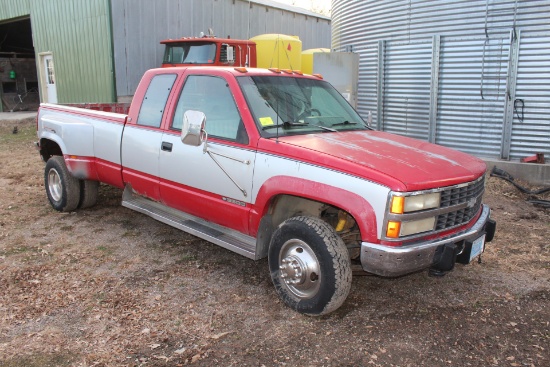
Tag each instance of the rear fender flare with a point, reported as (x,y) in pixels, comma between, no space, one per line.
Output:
(46,135)
(79,167)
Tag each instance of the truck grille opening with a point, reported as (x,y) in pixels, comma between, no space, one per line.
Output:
(470,194)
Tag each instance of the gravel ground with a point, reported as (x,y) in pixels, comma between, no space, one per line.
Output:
(110,287)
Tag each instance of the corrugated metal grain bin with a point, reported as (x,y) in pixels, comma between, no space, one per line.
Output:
(470,74)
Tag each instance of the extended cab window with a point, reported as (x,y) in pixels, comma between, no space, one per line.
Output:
(212,96)
(155,99)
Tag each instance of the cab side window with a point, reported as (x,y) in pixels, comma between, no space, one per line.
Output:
(212,96)
(154,102)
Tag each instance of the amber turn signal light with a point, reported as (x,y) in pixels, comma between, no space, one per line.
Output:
(393,229)
(397,205)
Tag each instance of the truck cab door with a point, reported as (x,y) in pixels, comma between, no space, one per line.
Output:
(141,142)
(213,183)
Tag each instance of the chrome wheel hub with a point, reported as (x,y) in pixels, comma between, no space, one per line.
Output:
(292,270)
(54,185)
(299,269)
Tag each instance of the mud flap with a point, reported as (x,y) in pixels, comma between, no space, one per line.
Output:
(444,259)
(490,228)
(465,257)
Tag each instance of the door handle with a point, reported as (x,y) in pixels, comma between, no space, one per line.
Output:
(167,147)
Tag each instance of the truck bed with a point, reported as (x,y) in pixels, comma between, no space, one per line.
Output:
(89,138)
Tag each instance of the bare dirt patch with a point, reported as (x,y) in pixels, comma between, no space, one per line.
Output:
(110,287)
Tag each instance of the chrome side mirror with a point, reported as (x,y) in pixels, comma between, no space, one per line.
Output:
(192,130)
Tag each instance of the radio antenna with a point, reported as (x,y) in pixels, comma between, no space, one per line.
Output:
(277,122)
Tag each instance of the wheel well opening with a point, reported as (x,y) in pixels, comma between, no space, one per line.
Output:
(49,149)
(284,207)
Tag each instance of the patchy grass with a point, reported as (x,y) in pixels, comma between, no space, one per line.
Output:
(105,250)
(26,132)
(186,258)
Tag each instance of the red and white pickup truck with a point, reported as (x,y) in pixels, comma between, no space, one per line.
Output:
(273,163)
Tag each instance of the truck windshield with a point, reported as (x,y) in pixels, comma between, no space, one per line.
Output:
(190,53)
(293,106)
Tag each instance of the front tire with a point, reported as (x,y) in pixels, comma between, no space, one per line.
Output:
(62,188)
(310,266)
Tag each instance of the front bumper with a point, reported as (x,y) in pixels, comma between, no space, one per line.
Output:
(390,261)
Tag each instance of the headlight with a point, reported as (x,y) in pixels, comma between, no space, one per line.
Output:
(397,229)
(408,204)
(417,226)
(404,222)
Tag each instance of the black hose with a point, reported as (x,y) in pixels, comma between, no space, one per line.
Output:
(541,203)
(499,173)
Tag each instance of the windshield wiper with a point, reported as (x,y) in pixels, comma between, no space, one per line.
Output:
(344,123)
(285,125)
(325,128)
(289,124)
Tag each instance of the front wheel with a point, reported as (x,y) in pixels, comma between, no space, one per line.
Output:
(62,188)
(310,266)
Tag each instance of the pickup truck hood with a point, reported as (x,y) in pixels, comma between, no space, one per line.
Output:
(403,164)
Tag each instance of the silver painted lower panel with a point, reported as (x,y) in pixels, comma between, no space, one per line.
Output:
(390,261)
(219,235)
(140,149)
(269,166)
(190,166)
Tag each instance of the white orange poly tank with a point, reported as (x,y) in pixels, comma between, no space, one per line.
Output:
(307,59)
(278,51)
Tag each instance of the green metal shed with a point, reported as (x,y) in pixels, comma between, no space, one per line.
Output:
(72,45)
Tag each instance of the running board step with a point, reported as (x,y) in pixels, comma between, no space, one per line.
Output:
(219,235)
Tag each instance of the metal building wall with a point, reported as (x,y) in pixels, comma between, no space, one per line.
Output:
(10,9)
(139,26)
(77,33)
(469,74)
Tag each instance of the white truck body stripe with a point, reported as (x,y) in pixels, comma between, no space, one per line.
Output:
(268,166)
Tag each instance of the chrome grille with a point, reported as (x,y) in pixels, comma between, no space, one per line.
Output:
(470,193)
